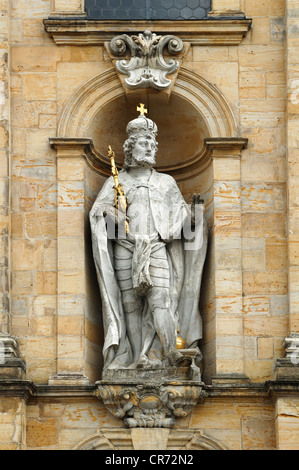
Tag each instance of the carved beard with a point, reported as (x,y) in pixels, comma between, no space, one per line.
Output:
(145,162)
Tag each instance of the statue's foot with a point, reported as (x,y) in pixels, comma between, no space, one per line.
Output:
(142,363)
(177,359)
(145,363)
(155,364)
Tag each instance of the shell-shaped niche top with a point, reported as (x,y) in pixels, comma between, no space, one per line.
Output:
(147,68)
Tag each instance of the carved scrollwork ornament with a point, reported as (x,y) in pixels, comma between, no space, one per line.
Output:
(149,405)
(147,67)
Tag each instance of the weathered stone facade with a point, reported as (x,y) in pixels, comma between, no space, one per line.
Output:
(235,96)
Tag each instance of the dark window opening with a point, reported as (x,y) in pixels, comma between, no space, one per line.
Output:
(147,9)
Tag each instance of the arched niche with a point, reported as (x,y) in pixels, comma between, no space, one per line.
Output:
(121,439)
(196,110)
(194,121)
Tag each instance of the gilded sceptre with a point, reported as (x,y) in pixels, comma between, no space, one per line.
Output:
(120,198)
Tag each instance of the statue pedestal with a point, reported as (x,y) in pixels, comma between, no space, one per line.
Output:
(288,367)
(11,365)
(151,398)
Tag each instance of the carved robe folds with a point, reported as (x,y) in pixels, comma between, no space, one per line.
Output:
(185,255)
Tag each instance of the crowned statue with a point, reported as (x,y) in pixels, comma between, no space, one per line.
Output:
(149,248)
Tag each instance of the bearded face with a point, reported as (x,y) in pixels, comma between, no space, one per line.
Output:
(140,150)
(144,151)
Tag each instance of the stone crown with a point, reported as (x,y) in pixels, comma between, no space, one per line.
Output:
(142,125)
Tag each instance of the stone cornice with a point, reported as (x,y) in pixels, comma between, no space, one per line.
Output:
(282,387)
(219,147)
(66,391)
(23,389)
(214,31)
(69,142)
(226,143)
(29,390)
(70,146)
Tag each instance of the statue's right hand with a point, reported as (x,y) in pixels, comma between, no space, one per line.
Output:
(112,213)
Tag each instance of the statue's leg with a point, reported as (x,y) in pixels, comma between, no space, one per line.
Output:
(159,299)
(132,305)
(159,303)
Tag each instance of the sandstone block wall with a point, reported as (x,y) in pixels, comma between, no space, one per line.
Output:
(47,301)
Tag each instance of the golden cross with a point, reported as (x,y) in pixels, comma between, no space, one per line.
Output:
(142,109)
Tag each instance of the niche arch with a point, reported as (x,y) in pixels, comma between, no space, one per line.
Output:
(83,135)
(100,109)
(84,104)
(120,439)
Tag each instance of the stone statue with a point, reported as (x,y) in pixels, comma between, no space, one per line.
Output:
(149,258)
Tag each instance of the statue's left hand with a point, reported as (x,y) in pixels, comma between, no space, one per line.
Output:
(196,199)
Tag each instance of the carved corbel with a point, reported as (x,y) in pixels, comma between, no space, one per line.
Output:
(147,67)
(148,405)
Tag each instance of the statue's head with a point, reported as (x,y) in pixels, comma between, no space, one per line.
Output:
(141,146)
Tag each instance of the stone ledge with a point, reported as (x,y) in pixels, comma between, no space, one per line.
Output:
(65,391)
(68,379)
(236,144)
(28,389)
(218,147)
(282,387)
(222,14)
(285,370)
(17,388)
(235,390)
(214,31)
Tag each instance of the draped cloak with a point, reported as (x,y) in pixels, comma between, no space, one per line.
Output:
(186,256)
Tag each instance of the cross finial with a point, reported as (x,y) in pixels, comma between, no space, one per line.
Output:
(142,109)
